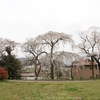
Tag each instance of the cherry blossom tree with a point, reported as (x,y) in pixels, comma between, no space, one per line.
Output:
(51,41)
(61,60)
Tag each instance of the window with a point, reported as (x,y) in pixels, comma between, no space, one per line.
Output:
(96,67)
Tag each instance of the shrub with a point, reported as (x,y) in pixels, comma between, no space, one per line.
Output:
(81,78)
(3,73)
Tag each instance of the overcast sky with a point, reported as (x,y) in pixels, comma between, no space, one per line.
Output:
(21,19)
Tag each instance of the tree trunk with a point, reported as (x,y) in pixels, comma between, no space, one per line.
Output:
(48,75)
(9,73)
(99,69)
(92,61)
(58,73)
(51,62)
(37,71)
(97,60)
(52,71)
(72,72)
(36,78)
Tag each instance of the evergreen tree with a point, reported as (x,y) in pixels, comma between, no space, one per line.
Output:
(13,66)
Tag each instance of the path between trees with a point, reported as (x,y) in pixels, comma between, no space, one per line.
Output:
(50,80)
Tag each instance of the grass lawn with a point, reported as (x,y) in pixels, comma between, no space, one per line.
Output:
(83,90)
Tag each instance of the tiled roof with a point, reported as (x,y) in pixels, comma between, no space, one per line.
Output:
(84,62)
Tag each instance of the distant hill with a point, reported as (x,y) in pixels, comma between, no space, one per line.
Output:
(22,59)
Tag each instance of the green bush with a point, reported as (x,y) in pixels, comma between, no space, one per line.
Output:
(81,78)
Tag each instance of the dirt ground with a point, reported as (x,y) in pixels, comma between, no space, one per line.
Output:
(49,80)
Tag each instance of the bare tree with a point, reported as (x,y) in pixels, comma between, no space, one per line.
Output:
(7,46)
(51,41)
(90,45)
(10,46)
(68,59)
(31,47)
